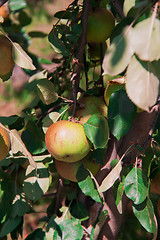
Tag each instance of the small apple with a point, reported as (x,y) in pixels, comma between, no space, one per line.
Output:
(100,25)
(69,170)
(66,141)
(90,105)
(4,11)
(4,143)
(6,60)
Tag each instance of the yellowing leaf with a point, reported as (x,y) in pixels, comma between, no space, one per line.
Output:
(142,84)
(21,58)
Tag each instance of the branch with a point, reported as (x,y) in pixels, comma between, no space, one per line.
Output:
(77,62)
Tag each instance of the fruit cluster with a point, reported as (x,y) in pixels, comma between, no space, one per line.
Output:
(67,143)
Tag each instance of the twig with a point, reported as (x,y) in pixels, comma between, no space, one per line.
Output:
(118,7)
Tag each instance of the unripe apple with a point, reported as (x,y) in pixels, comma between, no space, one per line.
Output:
(100,25)
(66,141)
(6,60)
(69,170)
(95,51)
(90,105)
(4,143)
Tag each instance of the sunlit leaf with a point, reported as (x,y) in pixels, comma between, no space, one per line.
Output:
(46,91)
(97,130)
(118,54)
(111,178)
(142,84)
(136,185)
(127,5)
(145,214)
(16,5)
(49,120)
(20,206)
(18,145)
(145,39)
(21,58)
(36,182)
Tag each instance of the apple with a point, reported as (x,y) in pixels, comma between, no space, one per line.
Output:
(4,143)
(6,60)
(90,105)
(4,11)
(100,25)
(69,170)
(66,141)
(94,50)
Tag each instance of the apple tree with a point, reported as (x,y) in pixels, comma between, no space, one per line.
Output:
(83,154)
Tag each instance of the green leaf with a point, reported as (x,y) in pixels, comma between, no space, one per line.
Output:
(145,39)
(21,58)
(87,184)
(46,91)
(142,83)
(97,130)
(49,120)
(118,54)
(144,212)
(136,185)
(33,138)
(36,182)
(8,120)
(20,206)
(120,118)
(10,225)
(38,234)
(57,44)
(16,5)
(111,177)
(71,229)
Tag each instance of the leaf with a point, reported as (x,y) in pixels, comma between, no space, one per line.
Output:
(136,185)
(57,44)
(145,39)
(36,182)
(33,138)
(18,145)
(142,84)
(120,118)
(15,5)
(10,225)
(87,184)
(20,206)
(71,229)
(111,178)
(8,120)
(144,212)
(127,5)
(21,58)
(38,234)
(46,91)
(49,120)
(119,53)
(97,130)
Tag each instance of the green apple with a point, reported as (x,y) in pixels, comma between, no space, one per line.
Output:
(94,50)
(100,25)
(90,105)
(66,141)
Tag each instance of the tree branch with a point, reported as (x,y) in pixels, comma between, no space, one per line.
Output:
(77,64)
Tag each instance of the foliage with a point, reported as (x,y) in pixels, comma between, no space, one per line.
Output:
(126,77)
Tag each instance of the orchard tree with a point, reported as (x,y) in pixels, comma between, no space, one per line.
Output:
(87,145)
